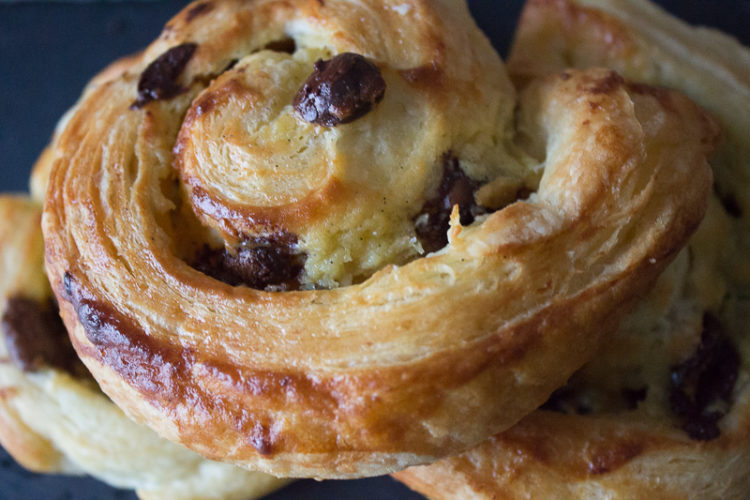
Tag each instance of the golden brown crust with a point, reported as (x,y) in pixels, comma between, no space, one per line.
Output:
(562,456)
(53,422)
(359,380)
(641,451)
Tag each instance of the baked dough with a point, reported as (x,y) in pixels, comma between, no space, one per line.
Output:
(55,421)
(604,444)
(195,158)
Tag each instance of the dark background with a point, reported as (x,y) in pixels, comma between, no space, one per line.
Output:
(49,50)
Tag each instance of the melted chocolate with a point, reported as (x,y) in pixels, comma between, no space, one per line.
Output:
(456,188)
(700,391)
(259,264)
(36,337)
(159,80)
(340,90)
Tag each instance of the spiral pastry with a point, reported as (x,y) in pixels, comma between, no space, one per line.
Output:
(53,418)
(288,236)
(663,410)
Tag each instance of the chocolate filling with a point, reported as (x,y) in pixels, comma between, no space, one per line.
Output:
(159,80)
(700,390)
(286,45)
(261,263)
(35,336)
(456,188)
(340,90)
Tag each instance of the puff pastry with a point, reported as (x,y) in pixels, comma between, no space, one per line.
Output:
(663,411)
(308,150)
(53,418)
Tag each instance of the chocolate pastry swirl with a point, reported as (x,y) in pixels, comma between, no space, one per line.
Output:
(666,403)
(369,352)
(53,417)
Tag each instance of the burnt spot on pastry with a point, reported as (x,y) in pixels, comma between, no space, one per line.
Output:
(159,80)
(566,400)
(164,372)
(611,82)
(433,221)
(261,439)
(121,344)
(269,263)
(339,90)
(198,10)
(35,336)
(700,390)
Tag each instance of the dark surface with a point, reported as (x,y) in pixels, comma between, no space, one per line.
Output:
(48,51)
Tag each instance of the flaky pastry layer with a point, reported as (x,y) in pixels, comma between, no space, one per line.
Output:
(418,360)
(606,446)
(55,421)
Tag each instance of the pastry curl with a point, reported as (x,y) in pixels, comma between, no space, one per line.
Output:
(261,147)
(53,418)
(663,410)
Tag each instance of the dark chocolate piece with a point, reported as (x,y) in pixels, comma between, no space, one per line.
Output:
(36,337)
(456,188)
(340,90)
(700,391)
(286,45)
(260,263)
(159,80)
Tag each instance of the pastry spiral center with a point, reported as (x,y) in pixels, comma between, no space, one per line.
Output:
(348,183)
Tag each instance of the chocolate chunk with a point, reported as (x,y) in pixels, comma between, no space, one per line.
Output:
(159,80)
(700,390)
(433,221)
(340,90)
(261,263)
(286,45)
(36,337)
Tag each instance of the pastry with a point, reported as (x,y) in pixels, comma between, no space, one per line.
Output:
(54,418)
(288,235)
(663,411)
